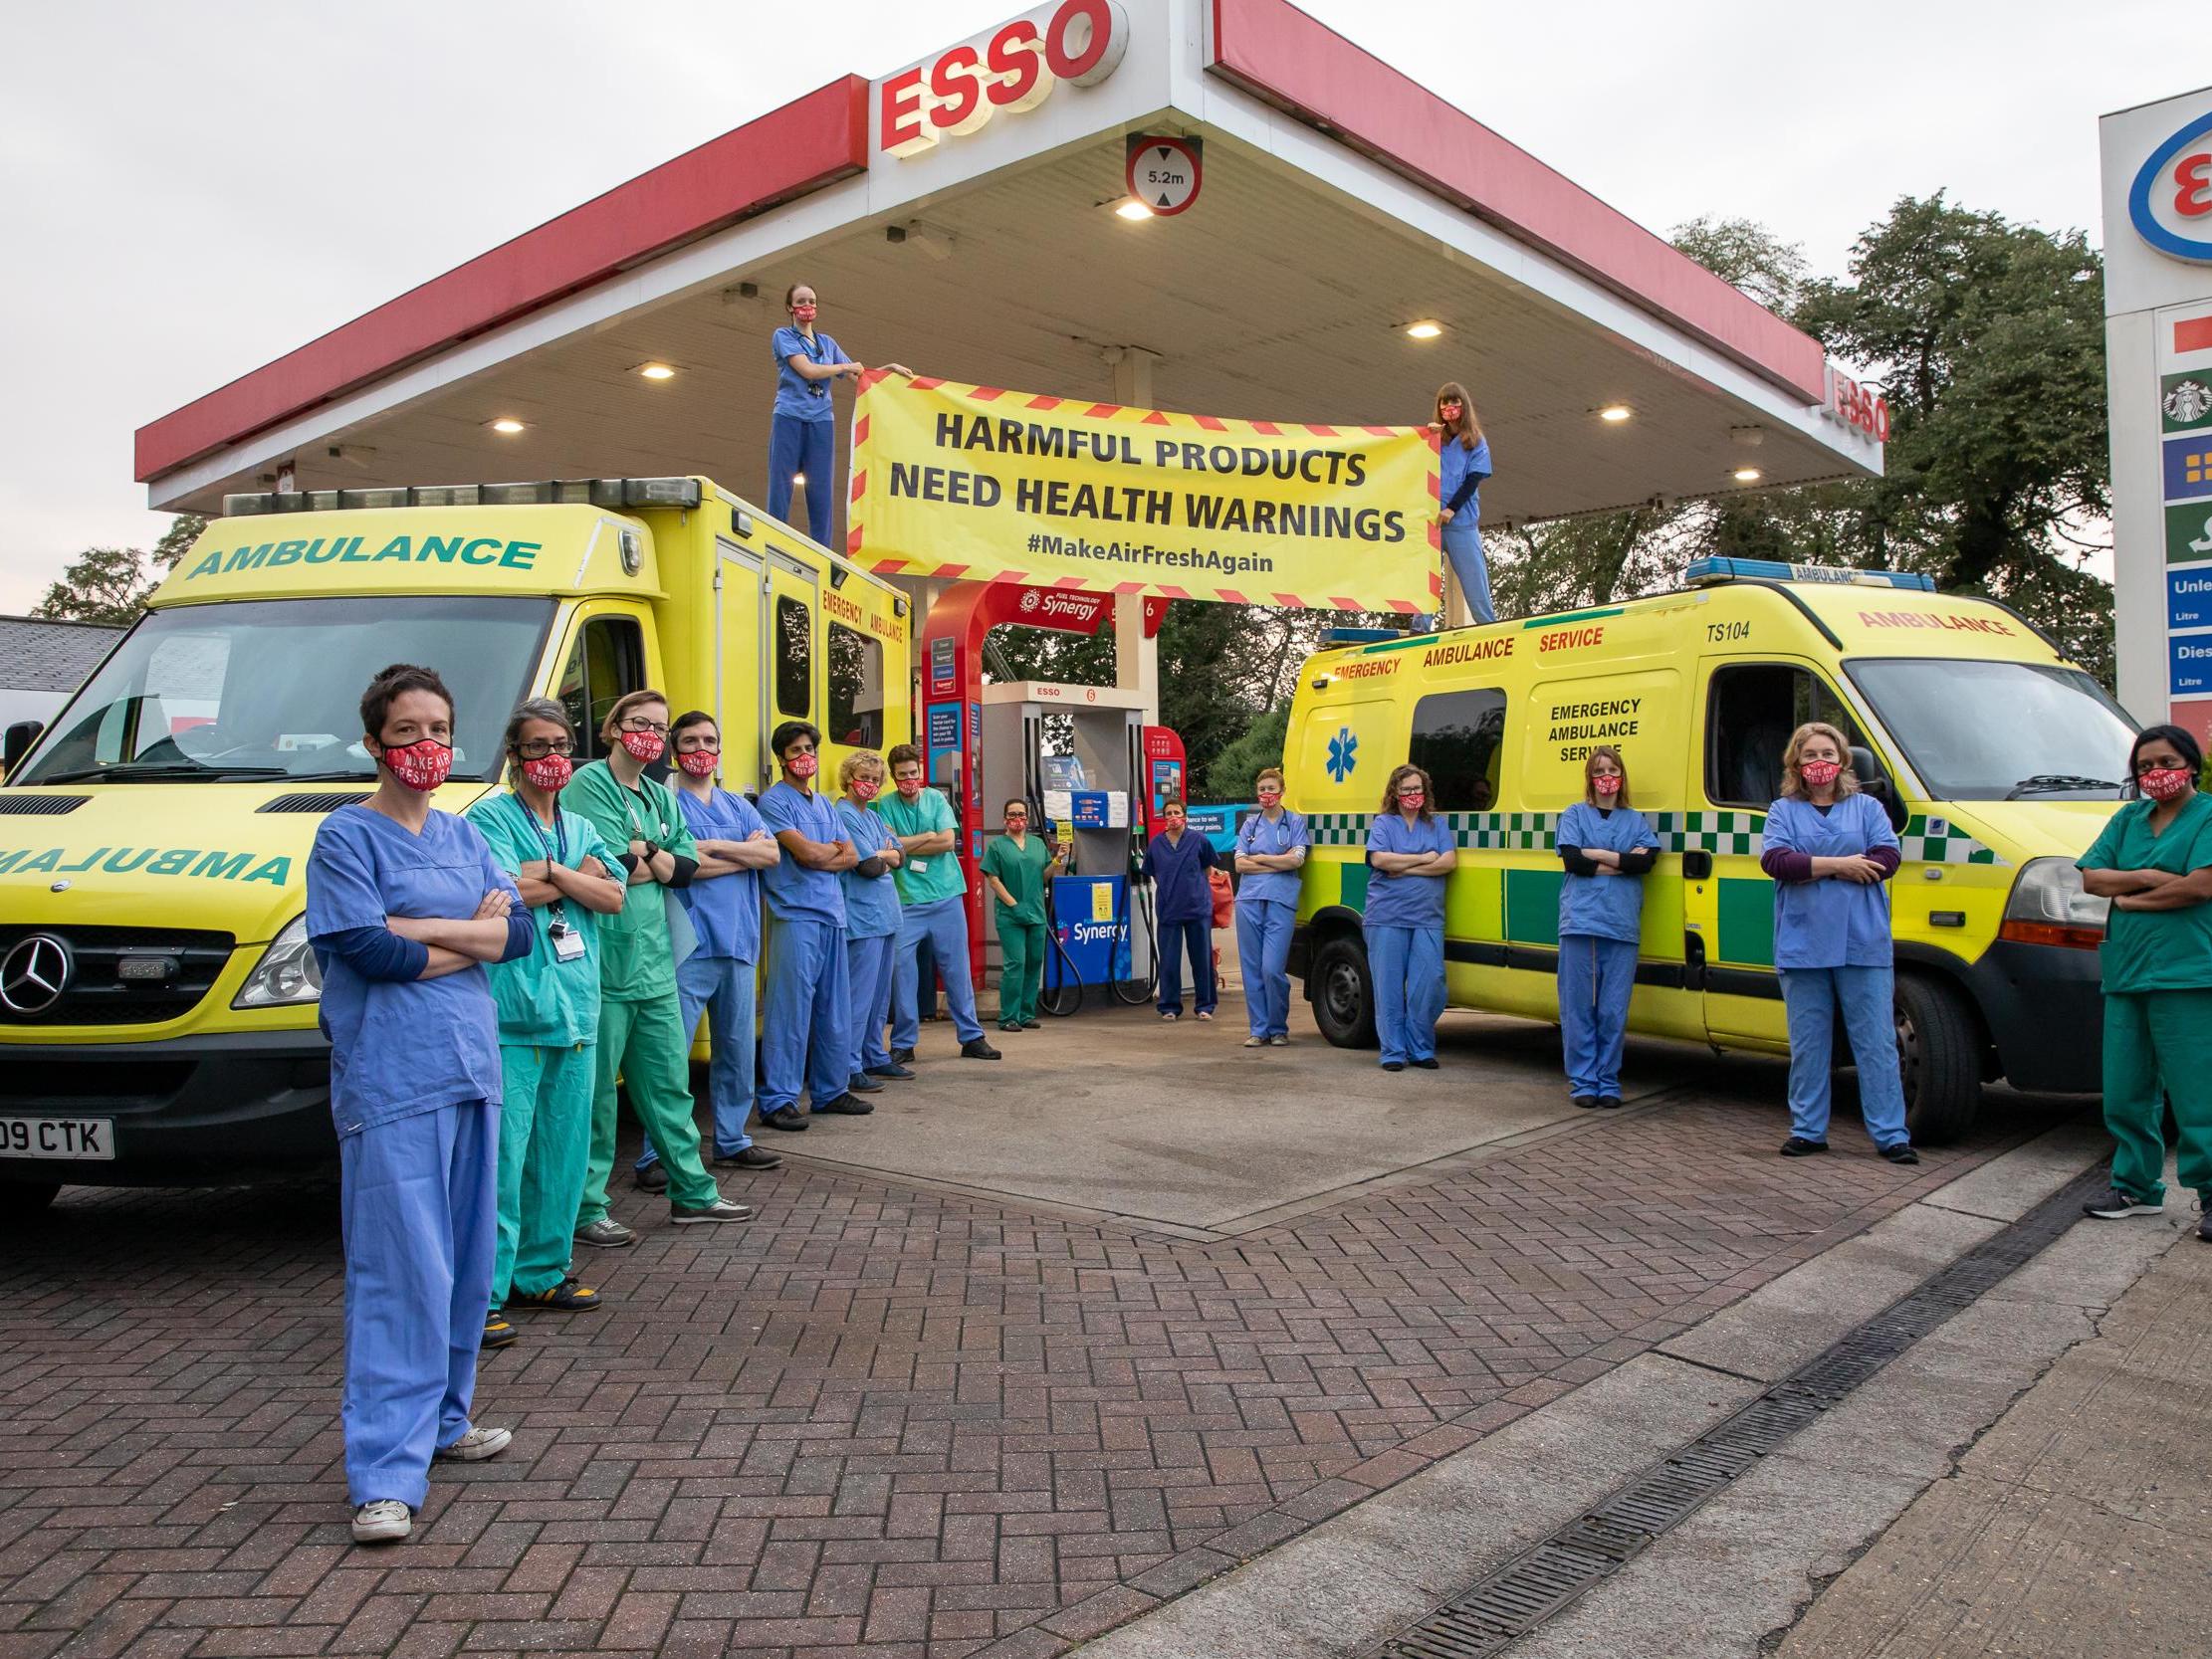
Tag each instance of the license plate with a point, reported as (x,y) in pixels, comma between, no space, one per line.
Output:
(63,1137)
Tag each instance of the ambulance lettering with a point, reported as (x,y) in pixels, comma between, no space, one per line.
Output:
(1944,621)
(1368,669)
(1577,728)
(1570,639)
(155,861)
(1471,651)
(348,549)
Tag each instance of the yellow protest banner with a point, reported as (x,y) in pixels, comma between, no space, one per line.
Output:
(981,483)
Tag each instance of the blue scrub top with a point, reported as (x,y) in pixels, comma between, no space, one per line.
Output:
(1831,922)
(796,395)
(1177,876)
(725,911)
(1602,907)
(1256,835)
(1453,464)
(796,893)
(1407,901)
(542,1002)
(871,902)
(399,1047)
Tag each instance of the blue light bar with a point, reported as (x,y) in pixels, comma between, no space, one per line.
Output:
(1704,572)
(1358,636)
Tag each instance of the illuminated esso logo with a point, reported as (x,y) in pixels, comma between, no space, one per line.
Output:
(1852,405)
(1081,42)
(2170,202)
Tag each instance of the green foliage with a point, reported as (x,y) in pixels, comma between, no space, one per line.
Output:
(112,584)
(1229,777)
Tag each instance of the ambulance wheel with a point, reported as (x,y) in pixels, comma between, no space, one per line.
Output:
(1343,995)
(1940,1052)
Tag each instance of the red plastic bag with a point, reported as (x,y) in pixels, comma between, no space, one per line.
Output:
(1225,896)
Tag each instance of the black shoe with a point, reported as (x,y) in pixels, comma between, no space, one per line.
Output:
(783,1118)
(2204,1221)
(1010,1025)
(2117,1204)
(1610,1103)
(1586,1101)
(1427,1064)
(1901,1151)
(652,1178)
(895,1072)
(1032,1025)
(900,1056)
(752,1157)
(497,1332)
(685,1215)
(567,1297)
(860,1082)
(1798,1147)
(1394,1065)
(847,1105)
(978,1050)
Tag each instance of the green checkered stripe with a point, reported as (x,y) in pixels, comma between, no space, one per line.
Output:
(1718,833)
(1926,840)
(1527,832)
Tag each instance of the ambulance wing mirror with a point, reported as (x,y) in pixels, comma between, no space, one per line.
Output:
(17,743)
(1876,782)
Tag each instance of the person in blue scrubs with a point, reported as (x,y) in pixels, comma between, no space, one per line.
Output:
(405,906)
(1183,903)
(718,980)
(1607,847)
(933,913)
(1828,849)
(1271,850)
(802,431)
(1411,853)
(872,921)
(1463,463)
(808,1033)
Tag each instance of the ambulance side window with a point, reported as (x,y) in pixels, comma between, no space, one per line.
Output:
(1750,710)
(608,662)
(794,659)
(855,688)
(1459,737)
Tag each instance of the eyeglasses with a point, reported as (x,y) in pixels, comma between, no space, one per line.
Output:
(659,729)
(538,747)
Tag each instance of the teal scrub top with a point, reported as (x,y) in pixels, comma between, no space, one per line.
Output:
(542,1002)
(1020,871)
(2156,950)
(637,963)
(933,876)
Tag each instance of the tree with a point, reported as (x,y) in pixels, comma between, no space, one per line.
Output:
(1229,776)
(113,584)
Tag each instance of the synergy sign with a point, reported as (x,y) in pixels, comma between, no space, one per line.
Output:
(2170,202)
(1080,42)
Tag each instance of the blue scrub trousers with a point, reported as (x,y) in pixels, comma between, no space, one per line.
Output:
(1195,940)
(868,974)
(1462,549)
(1810,995)
(1405,967)
(1595,979)
(417,1208)
(545,1145)
(720,987)
(809,447)
(943,924)
(1263,957)
(806,1035)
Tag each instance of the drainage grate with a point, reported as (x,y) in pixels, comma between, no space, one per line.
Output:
(1532,1587)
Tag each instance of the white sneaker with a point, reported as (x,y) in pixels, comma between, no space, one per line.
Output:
(386,1521)
(477,1445)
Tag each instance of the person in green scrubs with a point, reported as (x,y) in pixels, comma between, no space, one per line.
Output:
(1016,866)
(549,1016)
(2154,862)
(642,1040)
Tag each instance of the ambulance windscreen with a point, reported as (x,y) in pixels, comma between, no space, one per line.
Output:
(1991,732)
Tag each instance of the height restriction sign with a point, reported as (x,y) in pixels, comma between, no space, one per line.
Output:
(1162,172)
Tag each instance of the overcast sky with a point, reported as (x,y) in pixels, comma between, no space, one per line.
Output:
(191,190)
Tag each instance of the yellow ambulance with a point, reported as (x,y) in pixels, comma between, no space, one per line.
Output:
(1998,759)
(158,995)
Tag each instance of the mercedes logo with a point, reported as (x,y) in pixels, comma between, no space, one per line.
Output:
(32,974)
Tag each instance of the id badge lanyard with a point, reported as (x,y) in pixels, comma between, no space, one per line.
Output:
(555,851)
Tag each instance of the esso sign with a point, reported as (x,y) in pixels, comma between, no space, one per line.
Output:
(2170,202)
(1851,404)
(1080,42)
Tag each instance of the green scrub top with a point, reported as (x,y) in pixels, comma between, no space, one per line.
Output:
(636,962)
(933,876)
(1020,870)
(542,1002)
(2156,950)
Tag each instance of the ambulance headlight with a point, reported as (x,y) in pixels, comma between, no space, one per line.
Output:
(286,974)
(2049,907)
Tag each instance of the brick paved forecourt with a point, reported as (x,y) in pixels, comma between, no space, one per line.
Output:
(883,1419)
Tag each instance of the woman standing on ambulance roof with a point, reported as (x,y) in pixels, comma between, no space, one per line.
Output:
(405,906)
(1606,845)
(802,433)
(1828,849)
(1463,463)
(2154,862)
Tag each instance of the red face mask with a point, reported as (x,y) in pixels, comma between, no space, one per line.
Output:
(1450,413)
(804,766)
(1607,783)
(1413,804)
(1819,773)
(864,789)
(646,746)
(421,765)
(700,763)
(910,787)
(802,312)
(2165,783)
(550,772)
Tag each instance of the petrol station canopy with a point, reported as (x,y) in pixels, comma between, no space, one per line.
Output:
(1339,203)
